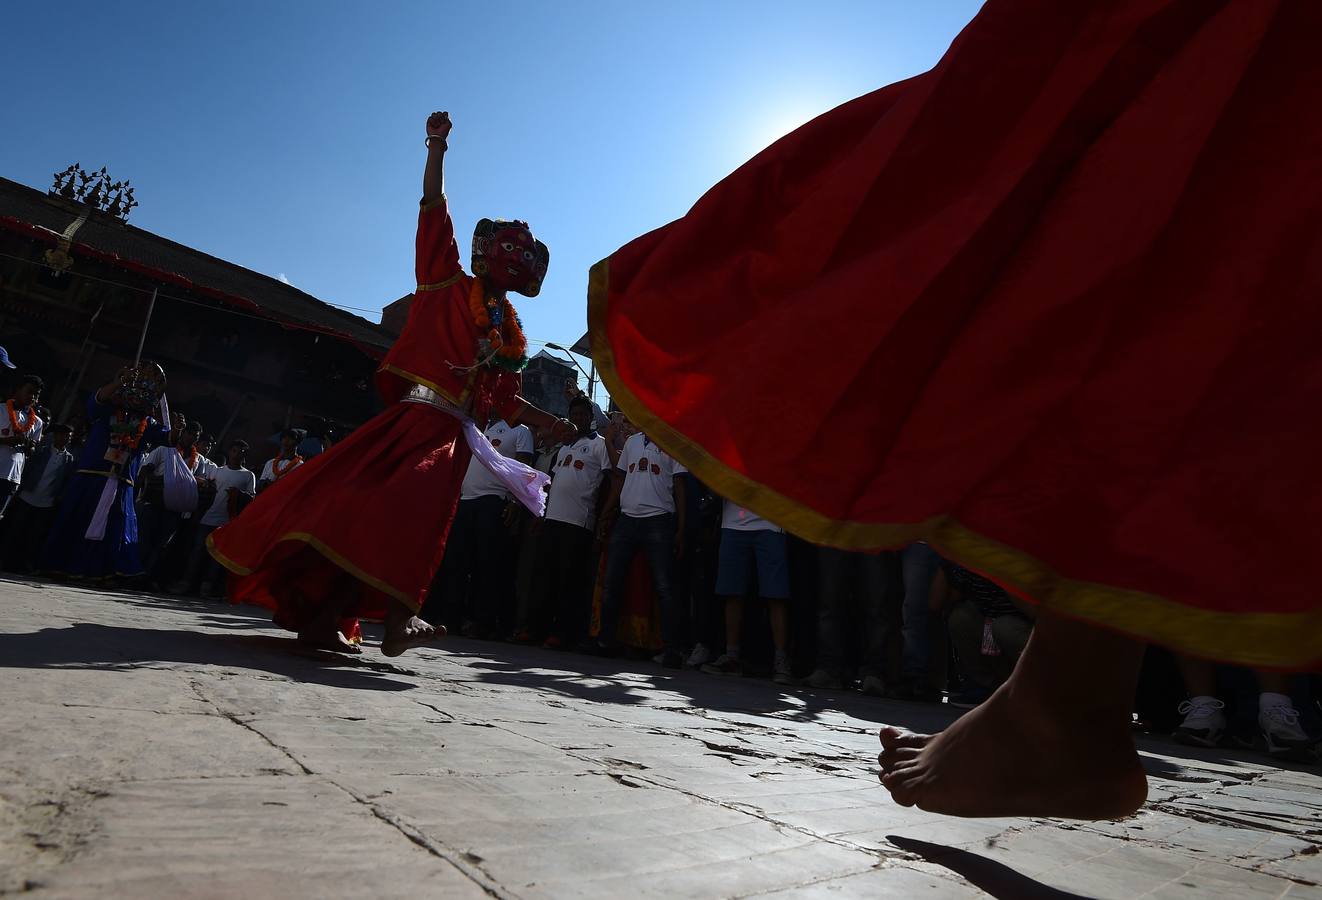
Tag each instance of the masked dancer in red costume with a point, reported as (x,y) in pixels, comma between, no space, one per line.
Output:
(377,506)
(1065,288)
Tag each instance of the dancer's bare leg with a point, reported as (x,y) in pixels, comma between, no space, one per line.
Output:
(1054,740)
(405,630)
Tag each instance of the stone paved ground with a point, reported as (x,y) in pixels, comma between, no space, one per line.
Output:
(168,748)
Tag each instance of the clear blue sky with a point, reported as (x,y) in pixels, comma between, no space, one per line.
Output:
(287,137)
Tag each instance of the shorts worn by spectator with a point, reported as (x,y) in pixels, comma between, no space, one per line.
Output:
(752,547)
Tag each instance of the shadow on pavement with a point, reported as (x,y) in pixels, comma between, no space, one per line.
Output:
(113,648)
(996,879)
(633,682)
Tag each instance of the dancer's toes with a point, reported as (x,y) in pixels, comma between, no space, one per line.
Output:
(898,746)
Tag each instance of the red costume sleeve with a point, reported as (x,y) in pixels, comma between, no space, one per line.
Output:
(439,341)
(437,253)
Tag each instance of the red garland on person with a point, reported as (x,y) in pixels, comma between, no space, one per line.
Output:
(126,430)
(13,419)
(504,343)
(278,470)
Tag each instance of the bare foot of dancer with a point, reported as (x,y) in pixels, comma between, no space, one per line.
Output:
(1053,741)
(405,630)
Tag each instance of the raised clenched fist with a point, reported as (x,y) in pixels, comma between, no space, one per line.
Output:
(438,125)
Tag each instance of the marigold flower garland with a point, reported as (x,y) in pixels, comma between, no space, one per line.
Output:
(502,343)
(120,431)
(291,463)
(13,419)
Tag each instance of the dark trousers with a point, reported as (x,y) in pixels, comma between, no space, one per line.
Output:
(7,491)
(1010,631)
(477,574)
(848,581)
(655,536)
(24,534)
(565,572)
(156,528)
(200,563)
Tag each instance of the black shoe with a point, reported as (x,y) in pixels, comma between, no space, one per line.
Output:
(672,659)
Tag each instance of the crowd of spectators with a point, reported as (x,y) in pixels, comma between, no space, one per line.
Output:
(636,556)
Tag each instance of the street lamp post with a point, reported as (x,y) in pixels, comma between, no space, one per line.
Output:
(591,377)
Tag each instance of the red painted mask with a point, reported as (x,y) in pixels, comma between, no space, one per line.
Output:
(508,257)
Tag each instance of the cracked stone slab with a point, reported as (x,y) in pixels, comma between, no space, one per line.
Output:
(169,748)
(266,837)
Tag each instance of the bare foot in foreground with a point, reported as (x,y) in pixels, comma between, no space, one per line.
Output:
(1013,757)
(403,634)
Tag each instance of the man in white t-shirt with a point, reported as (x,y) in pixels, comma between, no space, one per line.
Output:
(645,488)
(477,574)
(32,513)
(159,525)
(235,485)
(564,595)
(20,435)
(752,545)
(287,461)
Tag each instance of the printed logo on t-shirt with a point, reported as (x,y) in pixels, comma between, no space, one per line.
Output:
(579,465)
(656,470)
(495,442)
(632,466)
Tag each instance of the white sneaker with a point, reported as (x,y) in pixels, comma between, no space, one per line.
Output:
(1204,722)
(1281,729)
(698,657)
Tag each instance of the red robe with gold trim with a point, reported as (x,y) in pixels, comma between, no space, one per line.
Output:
(378,505)
(1054,306)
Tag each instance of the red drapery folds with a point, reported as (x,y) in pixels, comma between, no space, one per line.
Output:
(1054,306)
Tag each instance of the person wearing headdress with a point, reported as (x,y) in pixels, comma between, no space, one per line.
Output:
(377,506)
(95,534)
(1064,289)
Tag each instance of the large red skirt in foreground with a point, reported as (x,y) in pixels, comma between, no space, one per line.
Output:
(1054,306)
(365,521)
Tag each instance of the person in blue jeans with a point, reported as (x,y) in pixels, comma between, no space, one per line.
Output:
(918,567)
(648,496)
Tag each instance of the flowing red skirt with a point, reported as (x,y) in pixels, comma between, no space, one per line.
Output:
(365,521)
(1054,306)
